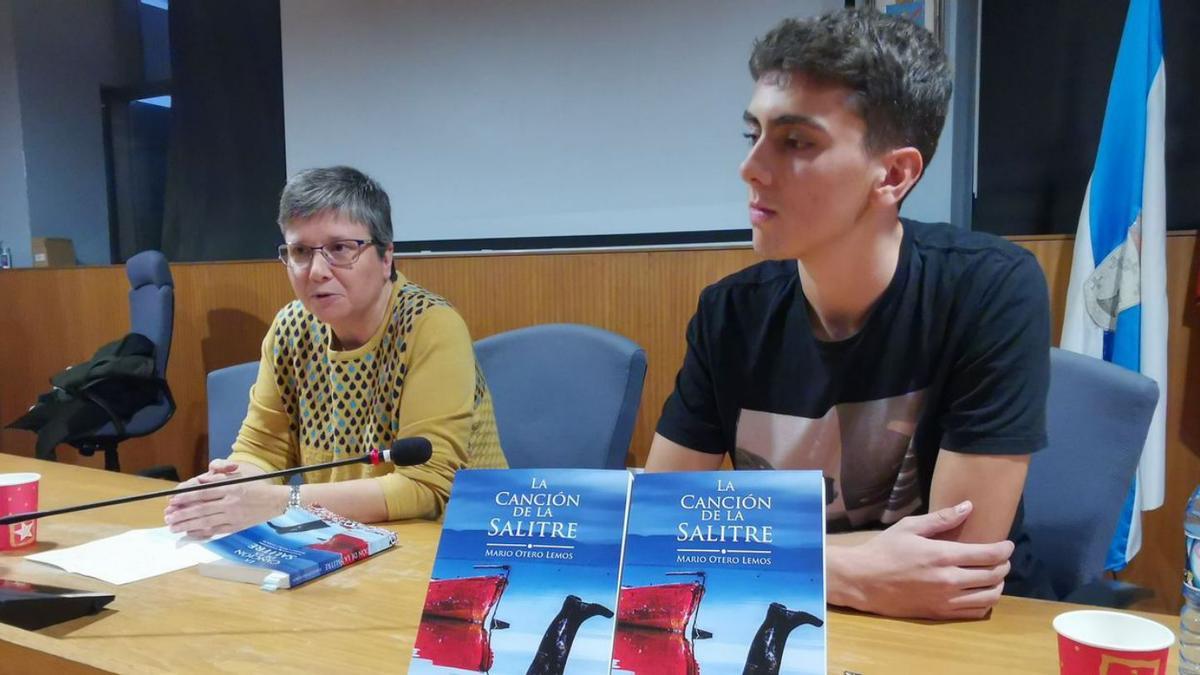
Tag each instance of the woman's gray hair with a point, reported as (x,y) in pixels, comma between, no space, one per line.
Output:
(342,190)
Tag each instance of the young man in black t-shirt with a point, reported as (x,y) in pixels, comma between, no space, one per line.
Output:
(908,362)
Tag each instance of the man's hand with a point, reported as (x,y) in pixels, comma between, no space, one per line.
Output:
(220,510)
(906,571)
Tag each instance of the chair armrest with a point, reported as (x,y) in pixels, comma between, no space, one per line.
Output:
(1109,593)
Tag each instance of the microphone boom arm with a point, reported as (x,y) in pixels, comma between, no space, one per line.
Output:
(375,456)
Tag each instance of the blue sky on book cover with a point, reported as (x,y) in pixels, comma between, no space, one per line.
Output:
(550,534)
(769,552)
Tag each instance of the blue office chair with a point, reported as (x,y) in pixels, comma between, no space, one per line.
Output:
(228,399)
(152,303)
(566,395)
(152,314)
(1097,417)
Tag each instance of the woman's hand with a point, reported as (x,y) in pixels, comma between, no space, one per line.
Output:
(220,510)
(218,470)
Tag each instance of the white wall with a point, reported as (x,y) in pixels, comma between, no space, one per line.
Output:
(530,117)
(933,198)
(65,50)
(14,200)
(930,199)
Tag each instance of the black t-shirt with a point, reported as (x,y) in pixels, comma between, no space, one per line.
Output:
(954,355)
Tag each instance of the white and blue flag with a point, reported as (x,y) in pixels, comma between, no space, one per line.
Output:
(1117,298)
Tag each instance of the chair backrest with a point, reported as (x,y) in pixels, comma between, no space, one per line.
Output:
(152,303)
(566,395)
(228,399)
(1097,417)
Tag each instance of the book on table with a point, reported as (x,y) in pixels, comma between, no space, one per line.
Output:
(723,572)
(569,571)
(296,547)
(526,573)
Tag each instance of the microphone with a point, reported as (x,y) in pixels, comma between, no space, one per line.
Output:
(406,452)
(403,452)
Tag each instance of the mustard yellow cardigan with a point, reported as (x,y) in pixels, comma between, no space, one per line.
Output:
(416,376)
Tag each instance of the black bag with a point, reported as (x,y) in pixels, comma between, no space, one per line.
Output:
(112,386)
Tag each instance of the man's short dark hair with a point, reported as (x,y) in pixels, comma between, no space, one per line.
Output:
(343,190)
(896,68)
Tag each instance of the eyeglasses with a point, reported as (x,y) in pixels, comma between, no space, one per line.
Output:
(340,253)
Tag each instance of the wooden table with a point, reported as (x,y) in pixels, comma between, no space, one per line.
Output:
(364,618)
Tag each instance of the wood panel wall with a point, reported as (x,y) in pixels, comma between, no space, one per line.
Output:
(50,318)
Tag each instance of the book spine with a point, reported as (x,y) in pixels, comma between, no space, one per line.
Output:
(356,555)
(310,572)
(375,545)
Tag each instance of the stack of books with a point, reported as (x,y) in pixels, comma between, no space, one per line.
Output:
(593,571)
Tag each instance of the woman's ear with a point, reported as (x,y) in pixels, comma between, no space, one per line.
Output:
(389,265)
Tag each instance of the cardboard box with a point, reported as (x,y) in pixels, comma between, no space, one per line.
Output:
(52,252)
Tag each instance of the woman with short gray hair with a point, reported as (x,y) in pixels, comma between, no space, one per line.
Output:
(361,358)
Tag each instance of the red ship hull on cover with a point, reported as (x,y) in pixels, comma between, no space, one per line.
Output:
(653,652)
(454,644)
(663,607)
(350,548)
(466,599)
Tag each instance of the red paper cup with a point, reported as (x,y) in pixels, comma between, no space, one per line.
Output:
(1097,642)
(18,494)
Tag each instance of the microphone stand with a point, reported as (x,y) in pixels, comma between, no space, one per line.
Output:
(375,456)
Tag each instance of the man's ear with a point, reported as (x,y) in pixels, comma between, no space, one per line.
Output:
(902,167)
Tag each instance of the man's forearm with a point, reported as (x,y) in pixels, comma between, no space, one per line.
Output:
(841,588)
(994,483)
(850,538)
(840,565)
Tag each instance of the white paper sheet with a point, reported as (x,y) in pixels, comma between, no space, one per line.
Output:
(132,556)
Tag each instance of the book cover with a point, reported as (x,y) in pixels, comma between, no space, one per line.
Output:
(298,546)
(526,574)
(724,572)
